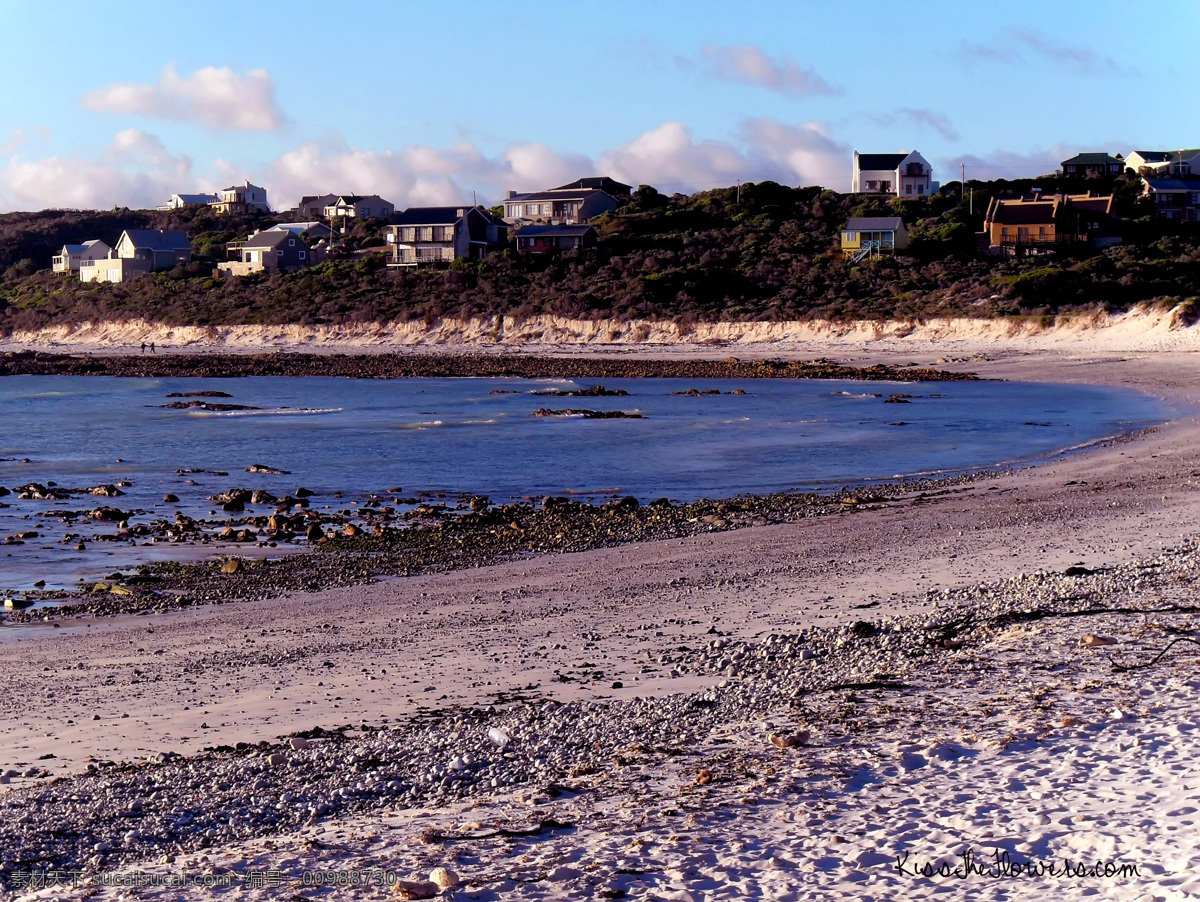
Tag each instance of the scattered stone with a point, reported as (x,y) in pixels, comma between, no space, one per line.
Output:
(415,889)
(443,877)
(232,566)
(1099,640)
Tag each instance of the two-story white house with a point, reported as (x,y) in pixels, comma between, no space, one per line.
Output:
(245,198)
(1178,163)
(138,251)
(72,256)
(898,174)
(357,206)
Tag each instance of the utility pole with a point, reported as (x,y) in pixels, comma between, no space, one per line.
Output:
(962,182)
(739,192)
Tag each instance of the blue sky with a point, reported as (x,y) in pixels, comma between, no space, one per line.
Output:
(428,102)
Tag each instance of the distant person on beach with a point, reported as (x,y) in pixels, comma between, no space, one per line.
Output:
(151,347)
(143,347)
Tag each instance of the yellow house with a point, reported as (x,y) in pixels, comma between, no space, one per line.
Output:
(872,236)
(1031,223)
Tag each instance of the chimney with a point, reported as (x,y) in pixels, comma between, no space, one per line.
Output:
(511,194)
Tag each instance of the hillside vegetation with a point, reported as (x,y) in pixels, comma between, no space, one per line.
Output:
(773,256)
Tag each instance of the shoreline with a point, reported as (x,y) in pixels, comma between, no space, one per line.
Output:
(429,663)
(459,365)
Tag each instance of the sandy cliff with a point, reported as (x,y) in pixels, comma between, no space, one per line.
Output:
(1140,329)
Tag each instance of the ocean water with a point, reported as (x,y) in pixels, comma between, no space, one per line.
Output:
(456,436)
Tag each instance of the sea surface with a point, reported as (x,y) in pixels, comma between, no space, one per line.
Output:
(451,437)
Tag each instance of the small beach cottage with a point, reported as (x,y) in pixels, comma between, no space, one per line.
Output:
(873,236)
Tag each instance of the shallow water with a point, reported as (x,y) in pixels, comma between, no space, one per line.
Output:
(455,436)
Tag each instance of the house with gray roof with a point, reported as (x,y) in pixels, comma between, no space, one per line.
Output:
(558,206)
(138,251)
(179,201)
(72,256)
(544,239)
(1174,198)
(873,236)
(1093,164)
(422,235)
(270,250)
(898,174)
(315,229)
(360,206)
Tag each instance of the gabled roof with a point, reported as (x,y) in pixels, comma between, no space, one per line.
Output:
(1016,212)
(196,198)
(599,182)
(159,240)
(268,239)
(323,199)
(880,161)
(357,198)
(431,215)
(557,194)
(1090,159)
(297,227)
(1092,204)
(93,242)
(73,249)
(1164,156)
(564,231)
(874,224)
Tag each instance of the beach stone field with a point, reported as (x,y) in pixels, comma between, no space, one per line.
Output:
(979,688)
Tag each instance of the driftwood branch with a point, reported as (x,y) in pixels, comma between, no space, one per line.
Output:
(1158,657)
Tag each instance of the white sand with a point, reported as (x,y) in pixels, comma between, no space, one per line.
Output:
(975,761)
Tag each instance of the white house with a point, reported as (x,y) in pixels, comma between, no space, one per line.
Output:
(72,256)
(898,174)
(179,201)
(138,251)
(356,206)
(245,198)
(1182,163)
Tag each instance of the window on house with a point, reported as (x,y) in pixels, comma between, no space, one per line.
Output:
(279,253)
(920,189)
(873,185)
(546,209)
(302,255)
(291,242)
(426,233)
(1042,232)
(409,234)
(885,186)
(908,189)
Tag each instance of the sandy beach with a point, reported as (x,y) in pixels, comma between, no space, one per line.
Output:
(1014,735)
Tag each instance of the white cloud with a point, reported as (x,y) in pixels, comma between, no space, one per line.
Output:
(135,170)
(218,98)
(138,170)
(748,64)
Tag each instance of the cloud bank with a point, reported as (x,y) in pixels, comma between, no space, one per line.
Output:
(217,98)
(138,170)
